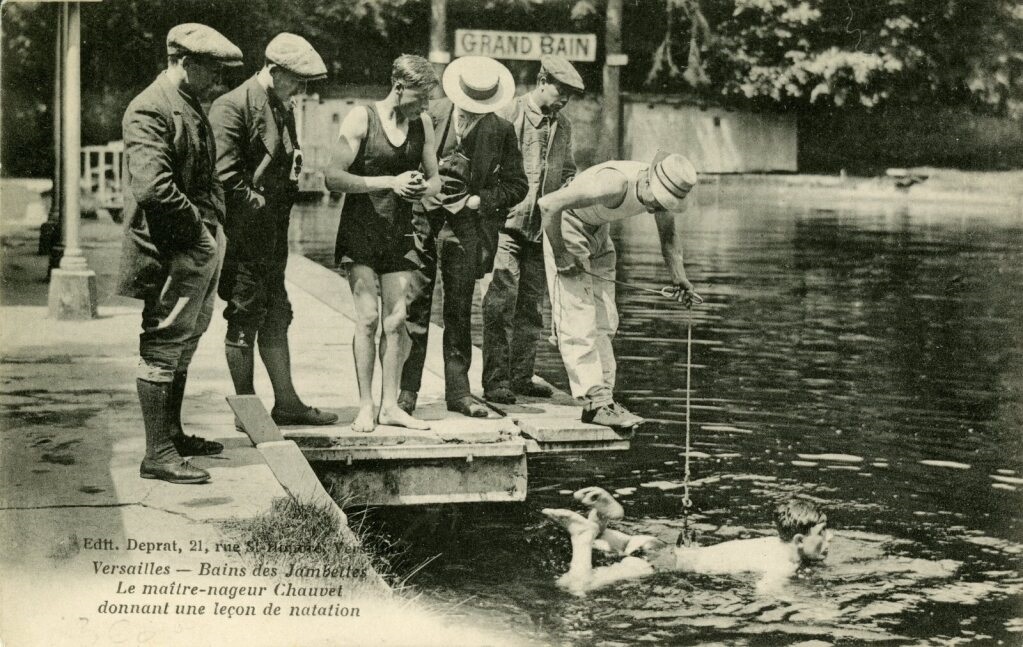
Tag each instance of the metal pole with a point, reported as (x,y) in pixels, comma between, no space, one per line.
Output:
(440,55)
(73,257)
(49,232)
(73,293)
(614,59)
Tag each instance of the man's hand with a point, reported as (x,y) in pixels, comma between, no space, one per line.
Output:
(569,265)
(686,295)
(256,200)
(473,202)
(410,185)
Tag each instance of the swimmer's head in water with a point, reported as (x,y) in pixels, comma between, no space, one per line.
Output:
(806,526)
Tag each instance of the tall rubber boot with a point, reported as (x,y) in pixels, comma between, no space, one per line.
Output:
(162,460)
(288,408)
(186,445)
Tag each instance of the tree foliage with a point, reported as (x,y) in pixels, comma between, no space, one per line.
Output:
(790,53)
(841,53)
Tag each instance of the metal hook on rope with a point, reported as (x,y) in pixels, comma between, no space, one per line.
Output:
(668,291)
(687,537)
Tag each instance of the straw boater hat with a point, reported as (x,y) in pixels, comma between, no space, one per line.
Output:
(478,84)
(671,178)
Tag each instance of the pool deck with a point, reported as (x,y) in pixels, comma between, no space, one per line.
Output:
(71,441)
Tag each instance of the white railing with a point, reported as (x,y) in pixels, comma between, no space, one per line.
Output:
(101,174)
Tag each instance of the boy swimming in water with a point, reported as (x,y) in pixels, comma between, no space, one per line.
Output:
(803,538)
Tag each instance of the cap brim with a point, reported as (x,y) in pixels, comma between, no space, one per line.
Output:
(670,202)
(658,156)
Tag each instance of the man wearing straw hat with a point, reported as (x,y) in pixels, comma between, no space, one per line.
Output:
(580,262)
(259,159)
(482,177)
(174,242)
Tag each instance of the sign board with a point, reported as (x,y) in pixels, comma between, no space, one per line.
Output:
(525,45)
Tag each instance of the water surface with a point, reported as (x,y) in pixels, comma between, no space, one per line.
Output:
(868,357)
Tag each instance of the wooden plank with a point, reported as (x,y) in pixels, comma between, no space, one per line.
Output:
(452,451)
(255,419)
(567,448)
(564,430)
(557,435)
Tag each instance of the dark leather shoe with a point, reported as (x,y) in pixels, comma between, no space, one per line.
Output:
(174,471)
(196,446)
(468,406)
(407,401)
(307,416)
(500,395)
(532,389)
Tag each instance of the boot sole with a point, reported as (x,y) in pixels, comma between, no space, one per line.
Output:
(179,481)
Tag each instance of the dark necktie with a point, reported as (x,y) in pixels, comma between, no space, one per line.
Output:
(543,130)
(545,133)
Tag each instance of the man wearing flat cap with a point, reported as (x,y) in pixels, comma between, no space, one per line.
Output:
(580,263)
(513,302)
(258,161)
(174,240)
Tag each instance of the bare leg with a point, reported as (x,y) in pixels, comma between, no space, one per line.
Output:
(581,575)
(393,350)
(583,531)
(363,282)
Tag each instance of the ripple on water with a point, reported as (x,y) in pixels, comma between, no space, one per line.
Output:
(842,458)
(1012,480)
(949,464)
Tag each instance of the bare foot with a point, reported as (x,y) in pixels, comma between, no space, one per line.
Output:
(576,524)
(364,422)
(600,501)
(398,418)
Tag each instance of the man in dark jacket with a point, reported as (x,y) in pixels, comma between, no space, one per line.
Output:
(513,301)
(482,176)
(258,160)
(173,245)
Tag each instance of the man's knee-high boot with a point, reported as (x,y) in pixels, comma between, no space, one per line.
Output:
(186,445)
(162,460)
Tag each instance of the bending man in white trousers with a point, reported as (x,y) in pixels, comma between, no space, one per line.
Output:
(580,264)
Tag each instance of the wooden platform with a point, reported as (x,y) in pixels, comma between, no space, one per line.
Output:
(458,460)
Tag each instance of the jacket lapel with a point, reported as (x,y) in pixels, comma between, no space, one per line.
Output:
(263,116)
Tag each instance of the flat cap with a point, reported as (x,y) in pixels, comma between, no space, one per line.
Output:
(559,69)
(296,55)
(200,40)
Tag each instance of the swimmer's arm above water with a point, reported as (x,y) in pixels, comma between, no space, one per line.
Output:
(606,188)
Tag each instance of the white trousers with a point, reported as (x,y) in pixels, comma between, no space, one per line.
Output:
(584,314)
